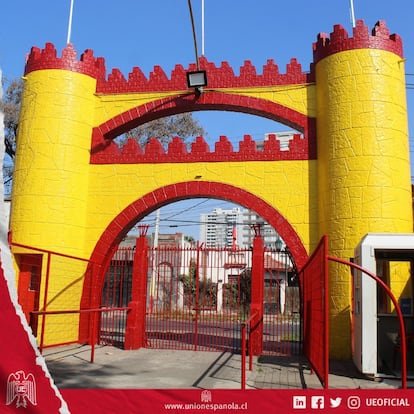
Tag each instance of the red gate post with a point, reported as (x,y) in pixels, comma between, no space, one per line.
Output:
(257,292)
(135,325)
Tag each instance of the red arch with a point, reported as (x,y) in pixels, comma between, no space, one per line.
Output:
(121,224)
(209,100)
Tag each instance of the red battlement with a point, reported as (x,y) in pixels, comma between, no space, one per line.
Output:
(158,81)
(47,59)
(218,77)
(339,41)
(131,153)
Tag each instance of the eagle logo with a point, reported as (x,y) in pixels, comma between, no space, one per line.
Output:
(21,387)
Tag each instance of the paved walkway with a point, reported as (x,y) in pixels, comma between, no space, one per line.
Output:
(159,369)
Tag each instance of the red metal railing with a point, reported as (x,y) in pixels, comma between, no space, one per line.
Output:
(197,297)
(43,286)
(282,321)
(49,254)
(314,282)
(397,309)
(196,301)
(244,325)
(94,325)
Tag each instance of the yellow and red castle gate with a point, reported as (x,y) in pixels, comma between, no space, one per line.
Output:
(77,194)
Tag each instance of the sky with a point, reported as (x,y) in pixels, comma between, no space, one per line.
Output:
(129,33)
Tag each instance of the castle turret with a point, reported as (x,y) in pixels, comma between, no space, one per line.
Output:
(363,152)
(53,149)
(50,182)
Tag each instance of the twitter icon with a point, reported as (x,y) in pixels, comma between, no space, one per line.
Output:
(335,402)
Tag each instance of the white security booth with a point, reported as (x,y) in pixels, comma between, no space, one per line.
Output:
(375,322)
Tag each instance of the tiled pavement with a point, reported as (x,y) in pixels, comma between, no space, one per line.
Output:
(158,369)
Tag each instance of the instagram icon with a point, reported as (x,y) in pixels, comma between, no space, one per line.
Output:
(354,402)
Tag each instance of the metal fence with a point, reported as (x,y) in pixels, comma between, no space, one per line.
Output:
(314,281)
(197,299)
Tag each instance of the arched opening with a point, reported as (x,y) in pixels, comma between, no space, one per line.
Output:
(208,101)
(120,226)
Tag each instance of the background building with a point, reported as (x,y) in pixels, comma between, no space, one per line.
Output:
(222,228)
(269,234)
(226,228)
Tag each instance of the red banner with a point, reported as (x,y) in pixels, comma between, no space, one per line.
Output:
(25,384)
(250,401)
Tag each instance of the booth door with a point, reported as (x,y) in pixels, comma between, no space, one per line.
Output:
(395,269)
(30,266)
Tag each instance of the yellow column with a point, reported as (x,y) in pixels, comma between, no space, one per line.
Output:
(363,163)
(52,160)
(50,183)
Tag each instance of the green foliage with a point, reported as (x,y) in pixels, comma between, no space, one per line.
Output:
(190,239)
(10,105)
(189,281)
(200,293)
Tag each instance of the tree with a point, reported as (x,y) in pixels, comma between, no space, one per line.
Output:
(182,125)
(206,289)
(164,129)
(189,239)
(10,105)
(189,283)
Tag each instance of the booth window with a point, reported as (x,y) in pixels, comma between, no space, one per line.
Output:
(396,273)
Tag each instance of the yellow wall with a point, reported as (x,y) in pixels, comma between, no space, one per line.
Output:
(283,184)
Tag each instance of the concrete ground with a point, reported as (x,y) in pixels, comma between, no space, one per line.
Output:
(114,368)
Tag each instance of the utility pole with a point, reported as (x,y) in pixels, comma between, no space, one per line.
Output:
(351,9)
(70,22)
(154,259)
(202,27)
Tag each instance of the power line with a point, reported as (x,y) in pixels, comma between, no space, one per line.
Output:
(175,209)
(184,223)
(187,209)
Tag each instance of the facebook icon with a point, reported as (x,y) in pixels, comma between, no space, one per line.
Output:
(317,402)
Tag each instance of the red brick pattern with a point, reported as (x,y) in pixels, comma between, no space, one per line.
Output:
(339,41)
(158,81)
(47,59)
(199,151)
(218,77)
